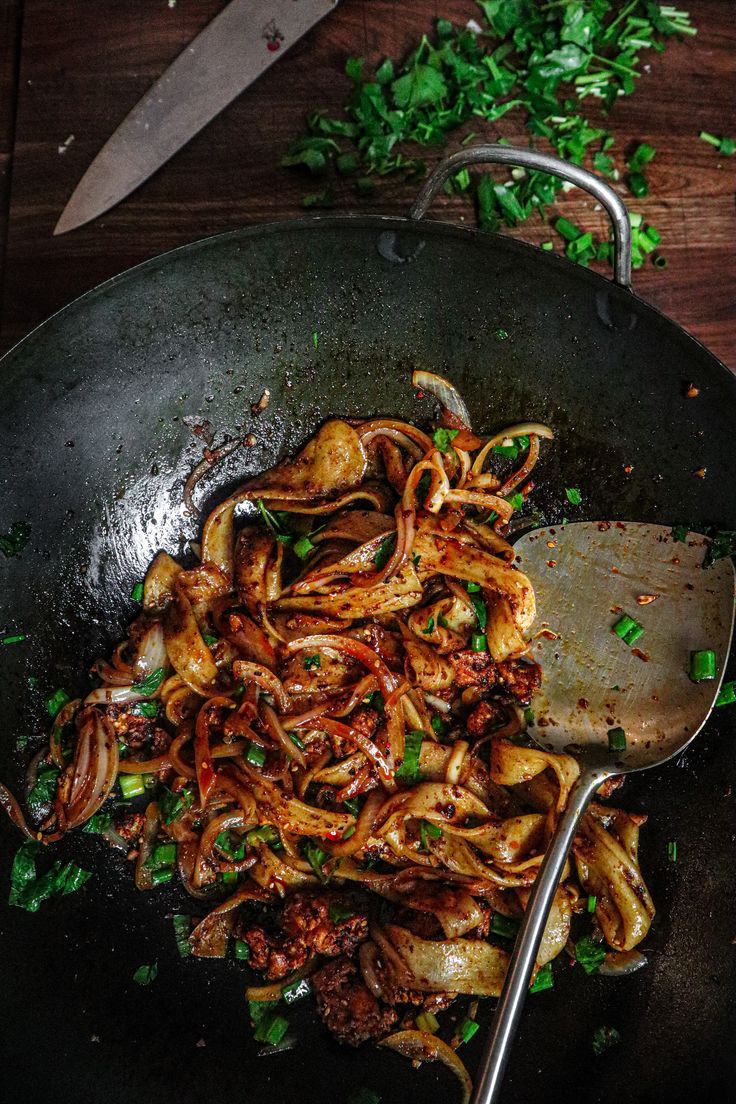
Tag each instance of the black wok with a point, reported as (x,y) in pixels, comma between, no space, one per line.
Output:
(95,452)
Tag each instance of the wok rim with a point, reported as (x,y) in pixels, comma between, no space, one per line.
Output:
(378,222)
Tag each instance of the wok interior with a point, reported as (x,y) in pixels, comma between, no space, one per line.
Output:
(203,332)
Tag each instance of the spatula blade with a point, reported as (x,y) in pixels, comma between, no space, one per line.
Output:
(586,576)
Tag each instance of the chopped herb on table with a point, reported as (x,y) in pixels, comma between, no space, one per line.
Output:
(573,496)
(547,62)
(726,146)
(13,638)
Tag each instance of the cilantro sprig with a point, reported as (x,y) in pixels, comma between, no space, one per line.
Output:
(543,60)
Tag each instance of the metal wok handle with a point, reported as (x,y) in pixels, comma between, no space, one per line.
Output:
(555,166)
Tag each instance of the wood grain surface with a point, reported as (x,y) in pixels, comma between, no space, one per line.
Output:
(71,68)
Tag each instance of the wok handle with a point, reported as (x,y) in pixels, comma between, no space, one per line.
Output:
(543,162)
(516,985)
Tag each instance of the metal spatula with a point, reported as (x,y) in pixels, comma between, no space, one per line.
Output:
(588,576)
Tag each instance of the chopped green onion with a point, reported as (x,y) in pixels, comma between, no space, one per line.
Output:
(150,684)
(628,629)
(228,877)
(726,146)
(144,975)
(303,547)
(136,593)
(473,588)
(672,851)
(616,739)
(544,979)
(422,490)
(641,156)
(428,830)
(443,438)
(592,902)
(385,551)
(296,741)
(315,339)
(481,611)
(352,804)
(182,927)
(573,495)
(132,785)
(255,754)
(547,246)
(727,694)
(589,954)
(241,950)
(375,701)
(409,769)
(56,702)
(467,1029)
(13,638)
(311,662)
(316,858)
(210,639)
(272,1029)
(516,501)
(605,1037)
(163,854)
(505,926)
(638,185)
(528,716)
(479,642)
(702,665)
(427,1021)
(160,877)
(566,229)
(439,726)
(430,627)
(523,441)
(297,990)
(338,912)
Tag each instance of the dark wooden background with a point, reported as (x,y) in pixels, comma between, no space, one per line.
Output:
(75,67)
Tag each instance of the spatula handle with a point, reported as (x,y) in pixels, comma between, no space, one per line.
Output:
(516,985)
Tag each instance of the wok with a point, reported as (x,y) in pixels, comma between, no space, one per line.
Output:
(94,453)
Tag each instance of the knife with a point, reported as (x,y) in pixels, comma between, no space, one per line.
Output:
(229,54)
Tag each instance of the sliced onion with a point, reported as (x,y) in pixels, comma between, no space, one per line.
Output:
(14,811)
(151,652)
(149,835)
(455,762)
(94,769)
(443,390)
(622,963)
(115,695)
(281,736)
(420,1046)
(243,671)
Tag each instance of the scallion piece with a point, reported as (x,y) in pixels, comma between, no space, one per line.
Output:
(160,877)
(628,629)
(479,642)
(439,727)
(255,755)
(316,858)
(616,739)
(13,638)
(163,854)
(272,1029)
(511,451)
(409,769)
(338,912)
(727,694)
(132,785)
(481,611)
(241,950)
(136,593)
(428,830)
(467,1029)
(589,954)
(702,665)
(303,547)
(228,877)
(592,902)
(472,588)
(544,980)
(312,662)
(672,851)
(505,926)
(182,927)
(427,1021)
(56,702)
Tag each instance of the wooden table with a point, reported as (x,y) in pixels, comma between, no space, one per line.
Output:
(69,72)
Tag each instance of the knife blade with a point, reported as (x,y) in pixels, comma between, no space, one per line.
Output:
(229,54)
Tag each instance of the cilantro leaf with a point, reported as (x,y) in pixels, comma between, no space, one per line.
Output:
(573,495)
(421,85)
(28,889)
(722,544)
(443,438)
(144,975)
